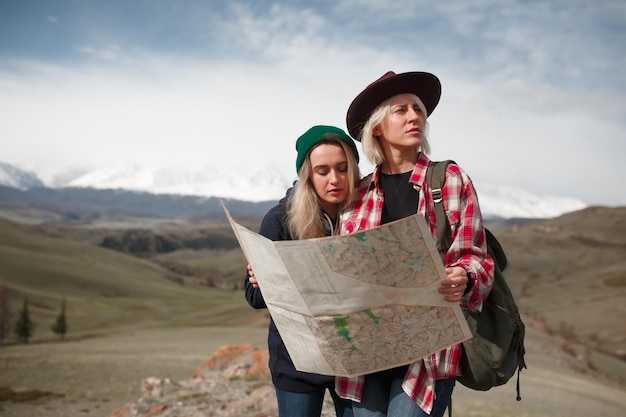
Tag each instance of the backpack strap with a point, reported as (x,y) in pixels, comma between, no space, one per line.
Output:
(436,178)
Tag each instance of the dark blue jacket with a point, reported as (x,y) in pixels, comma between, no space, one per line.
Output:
(284,374)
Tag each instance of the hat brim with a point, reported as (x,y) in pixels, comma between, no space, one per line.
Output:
(423,84)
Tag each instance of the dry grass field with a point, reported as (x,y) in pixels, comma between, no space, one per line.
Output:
(132,317)
(92,377)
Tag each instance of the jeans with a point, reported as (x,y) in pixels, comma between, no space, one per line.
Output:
(384,397)
(309,404)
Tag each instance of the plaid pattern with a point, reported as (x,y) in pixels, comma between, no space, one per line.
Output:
(468,250)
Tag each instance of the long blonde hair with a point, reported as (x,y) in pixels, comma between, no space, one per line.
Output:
(371,144)
(304,213)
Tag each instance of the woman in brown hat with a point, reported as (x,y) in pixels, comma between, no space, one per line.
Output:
(328,175)
(389,117)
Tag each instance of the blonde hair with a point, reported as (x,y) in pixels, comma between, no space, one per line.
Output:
(371,144)
(304,212)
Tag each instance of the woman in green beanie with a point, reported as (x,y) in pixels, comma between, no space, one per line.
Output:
(328,174)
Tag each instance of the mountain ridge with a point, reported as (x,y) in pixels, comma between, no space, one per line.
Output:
(259,185)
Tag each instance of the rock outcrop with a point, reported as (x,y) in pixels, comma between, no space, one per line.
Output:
(234,382)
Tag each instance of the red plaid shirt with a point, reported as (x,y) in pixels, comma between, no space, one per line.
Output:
(468,250)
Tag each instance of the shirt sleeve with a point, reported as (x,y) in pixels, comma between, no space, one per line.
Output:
(469,246)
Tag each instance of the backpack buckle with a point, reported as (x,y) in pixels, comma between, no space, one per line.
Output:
(437,195)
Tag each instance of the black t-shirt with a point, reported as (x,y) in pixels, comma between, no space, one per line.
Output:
(400,201)
(400,196)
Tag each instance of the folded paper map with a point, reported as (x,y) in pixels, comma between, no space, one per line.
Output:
(355,304)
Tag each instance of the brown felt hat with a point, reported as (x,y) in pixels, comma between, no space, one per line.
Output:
(423,84)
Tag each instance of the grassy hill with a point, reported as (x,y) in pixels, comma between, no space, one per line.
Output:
(104,289)
(569,277)
(568,274)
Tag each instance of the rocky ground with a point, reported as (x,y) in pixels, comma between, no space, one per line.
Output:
(234,382)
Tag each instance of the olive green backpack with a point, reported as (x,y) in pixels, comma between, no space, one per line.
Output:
(496,350)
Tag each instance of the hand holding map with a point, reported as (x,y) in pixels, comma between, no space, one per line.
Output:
(356,304)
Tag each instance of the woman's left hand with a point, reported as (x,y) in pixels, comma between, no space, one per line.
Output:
(252,278)
(453,287)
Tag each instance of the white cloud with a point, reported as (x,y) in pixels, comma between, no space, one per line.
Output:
(110,52)
(527,101)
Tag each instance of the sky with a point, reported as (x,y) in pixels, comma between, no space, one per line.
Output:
(533,92)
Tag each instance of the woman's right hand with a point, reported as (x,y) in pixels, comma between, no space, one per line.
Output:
(252,278)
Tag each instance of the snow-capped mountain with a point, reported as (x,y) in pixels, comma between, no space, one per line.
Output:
(11,176)
(509,202)
(262,184)
(256,185)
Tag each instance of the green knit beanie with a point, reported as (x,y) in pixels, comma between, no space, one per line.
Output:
(314,135)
